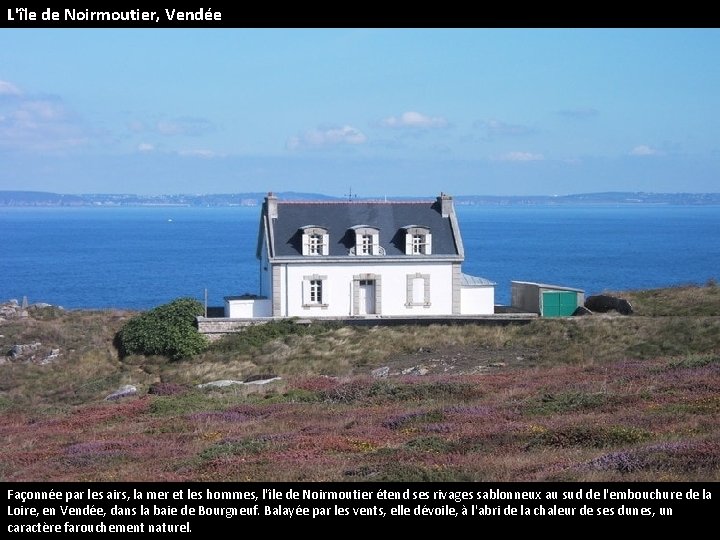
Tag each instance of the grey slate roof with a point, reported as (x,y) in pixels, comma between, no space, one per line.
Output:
(466,280)
(339,218)
(548,286)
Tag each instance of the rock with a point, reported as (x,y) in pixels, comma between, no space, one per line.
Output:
(221,383)
(580,311)
(54,354)
(264,377)
(602,303)
(263,381)
(23,350)
(380,373)
(12,309)
(415,370)
(126,391)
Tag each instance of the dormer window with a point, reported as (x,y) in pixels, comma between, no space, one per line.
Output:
(315,240)
(315,244)
(367,241)
(418,240)
(418,244)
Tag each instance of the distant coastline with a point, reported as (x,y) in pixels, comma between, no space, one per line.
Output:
(48,199)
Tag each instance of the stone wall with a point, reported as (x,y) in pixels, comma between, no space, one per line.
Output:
(215,328)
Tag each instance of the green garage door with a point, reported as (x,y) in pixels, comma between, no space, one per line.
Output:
(558,303)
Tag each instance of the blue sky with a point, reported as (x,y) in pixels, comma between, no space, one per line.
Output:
(494,111)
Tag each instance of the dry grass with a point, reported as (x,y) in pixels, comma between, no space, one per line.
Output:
(603,398)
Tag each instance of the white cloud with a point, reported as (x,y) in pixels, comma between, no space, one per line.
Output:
(207,154)
(9,89)
(171,127)
(582,112)
(183,126)
(39,124)
(317,138)
(497,127)
(136,126)
(644,150)
(145,147)
(40,111)
(520,156)
(412,119)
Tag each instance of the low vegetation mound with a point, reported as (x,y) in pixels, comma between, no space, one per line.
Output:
(167,330)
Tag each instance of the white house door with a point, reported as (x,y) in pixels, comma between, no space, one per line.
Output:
(366,299)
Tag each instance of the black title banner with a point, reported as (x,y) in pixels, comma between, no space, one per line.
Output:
(201,508)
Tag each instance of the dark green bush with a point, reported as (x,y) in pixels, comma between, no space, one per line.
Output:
(167,330)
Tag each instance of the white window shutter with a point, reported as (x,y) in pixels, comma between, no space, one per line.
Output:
(325,244)
(408,244)
(428,244)
(306,291)
(305,244)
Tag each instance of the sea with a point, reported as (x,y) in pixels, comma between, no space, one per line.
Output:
(137,258)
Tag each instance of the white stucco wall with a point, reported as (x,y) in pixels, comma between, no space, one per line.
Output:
(338,294)
(477,300)
(247,308)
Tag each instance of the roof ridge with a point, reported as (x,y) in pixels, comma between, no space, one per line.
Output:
(355,202)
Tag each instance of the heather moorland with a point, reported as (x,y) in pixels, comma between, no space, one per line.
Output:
(603,397)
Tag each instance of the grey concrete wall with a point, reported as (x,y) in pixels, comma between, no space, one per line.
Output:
(525,296)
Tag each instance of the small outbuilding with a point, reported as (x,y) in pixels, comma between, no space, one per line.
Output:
(247,306)
(546,300)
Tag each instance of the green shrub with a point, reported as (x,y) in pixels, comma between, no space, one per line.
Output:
(256,336)
(168,330)
(567,402)
(592,436)
(233,448)
(432,444)
(406,472)
(190,402)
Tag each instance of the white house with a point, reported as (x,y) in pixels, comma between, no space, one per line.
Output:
(362,259)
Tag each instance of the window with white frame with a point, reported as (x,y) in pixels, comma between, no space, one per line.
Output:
(366,244)
(314,244)
(315,240)
(418,240)
(418,244)
(314,291)
(367,241)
